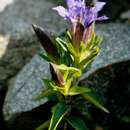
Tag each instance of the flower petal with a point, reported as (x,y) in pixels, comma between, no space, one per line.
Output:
(99,6)
(61,11)
(70,3)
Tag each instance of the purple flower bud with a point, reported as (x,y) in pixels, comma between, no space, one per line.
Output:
(46,43)
(77,11)
(57,76)
(77,34)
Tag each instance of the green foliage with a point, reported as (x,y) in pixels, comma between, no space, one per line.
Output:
(76,90)
(94,99)
(58,112)
(77,123)
(69,56)
(44,94)
(45,125)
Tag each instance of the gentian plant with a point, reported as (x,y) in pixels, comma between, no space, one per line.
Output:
(68,57)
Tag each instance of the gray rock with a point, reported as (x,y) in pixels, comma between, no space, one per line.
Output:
(21,95)
(27,85)
(17,42)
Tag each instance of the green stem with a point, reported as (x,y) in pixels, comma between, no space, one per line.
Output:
(44,125)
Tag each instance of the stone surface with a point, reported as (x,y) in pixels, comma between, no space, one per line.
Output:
(113,85)
(17,42)
(20,95)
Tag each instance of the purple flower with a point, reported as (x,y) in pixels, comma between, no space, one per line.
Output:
(77,11)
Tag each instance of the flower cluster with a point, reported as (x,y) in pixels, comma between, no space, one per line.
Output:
(77,11)
(82,18)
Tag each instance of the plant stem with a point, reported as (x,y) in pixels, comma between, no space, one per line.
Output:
(44,125)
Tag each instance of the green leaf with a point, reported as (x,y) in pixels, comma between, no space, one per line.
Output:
(57,88)
(77,123)
(47,83)
(67,59)
(71,49)
(45,57)
(93,98)
(45,125)
(61,43)
(69,35)
(45,93)
(75,90)
(59,112)
(72,70)
(82,47)
(89,58)
(52,86)
(97,41)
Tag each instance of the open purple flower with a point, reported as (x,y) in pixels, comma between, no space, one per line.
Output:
(77,11)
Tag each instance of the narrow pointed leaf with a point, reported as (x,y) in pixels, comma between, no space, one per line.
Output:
(77,123)
(71,49)
(72,70)
(58,113)
(52,86)
(45,57)
(97,41)
(68,35)
(44,126)
(44,93)
(47,83)
(61,43)
(75,90)
(89,58)
(94,99)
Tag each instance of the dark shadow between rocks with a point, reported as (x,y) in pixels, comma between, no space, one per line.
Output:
(2,96)
(113,85)
(19,49)
(32,119)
